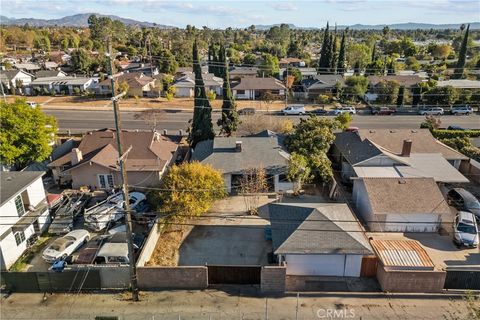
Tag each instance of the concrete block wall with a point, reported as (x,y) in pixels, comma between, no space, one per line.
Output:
(273,279)
(149,245)
(411,281)
(115,277)
(172,277)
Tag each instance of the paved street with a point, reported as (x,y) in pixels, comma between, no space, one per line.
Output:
(79,121)
(233,304)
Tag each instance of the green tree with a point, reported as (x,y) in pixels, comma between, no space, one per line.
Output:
(401,96)
(344,120)
(81,61)
(443,96)
(387,92)
(250,59)
(462,57)
(229,121)
(166,62)
(202,128)
(190,190)
(355,87)
(299,170)
(26,133)
(341,56)
(358,53)
(325,53)
(270,66)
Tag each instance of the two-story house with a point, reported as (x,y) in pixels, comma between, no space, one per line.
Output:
(23,211)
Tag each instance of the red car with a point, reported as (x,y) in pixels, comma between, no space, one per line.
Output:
(383,111)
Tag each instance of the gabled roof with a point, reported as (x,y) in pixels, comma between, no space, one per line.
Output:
(323,81)
(257,151)
(406,81)
(10,74)
(150,150)
(50,73)
(243,71)
(14,182)
(316,228)
(251,83)
(404,196)
(133,79)
(188,80)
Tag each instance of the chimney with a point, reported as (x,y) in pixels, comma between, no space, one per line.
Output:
(238,146)
(165,132)
(76,156)
(407,148)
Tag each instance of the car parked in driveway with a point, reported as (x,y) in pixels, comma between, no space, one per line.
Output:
(64,246)
(431,111)
(383,111)
(459,110)
(294,109)
(465,230)
(341,110)
(464,200)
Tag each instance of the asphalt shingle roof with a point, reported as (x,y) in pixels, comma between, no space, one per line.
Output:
(13,182)
(252,83)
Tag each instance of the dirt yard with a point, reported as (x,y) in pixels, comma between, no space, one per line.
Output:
(167,248)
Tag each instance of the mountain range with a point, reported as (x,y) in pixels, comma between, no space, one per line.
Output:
(81,20)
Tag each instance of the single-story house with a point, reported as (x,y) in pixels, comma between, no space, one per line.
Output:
(27,66)
(251,88)
(24,212)
(139,85)
(235,156)
(318,239)
(50,65)
(145,68)
(321,84)
(94,162)
(50,73)
(395,153)
(242,72)
(407,81)
(291,62)
(62,84)
(17,80)
(306,73)
(185,85)
(460,84)
(400,204)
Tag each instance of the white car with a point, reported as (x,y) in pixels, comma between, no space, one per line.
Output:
(342,110)
(431,111)
(62,247)
(467,110)
(465,230)
(31,104)
(294,109)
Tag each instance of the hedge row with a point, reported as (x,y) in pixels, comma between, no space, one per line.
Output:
(448,134)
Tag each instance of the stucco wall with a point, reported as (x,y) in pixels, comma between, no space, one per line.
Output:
(411,281)
(10,251)
(184,277)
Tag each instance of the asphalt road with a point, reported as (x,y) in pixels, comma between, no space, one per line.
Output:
(80,121)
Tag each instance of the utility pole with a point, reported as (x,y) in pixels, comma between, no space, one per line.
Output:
(286,88)
(121,156)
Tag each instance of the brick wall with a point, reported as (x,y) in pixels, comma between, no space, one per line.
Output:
(273,279)
(172,277)
(411,281)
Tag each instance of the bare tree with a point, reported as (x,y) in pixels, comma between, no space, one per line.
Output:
(151,116)
(252,184)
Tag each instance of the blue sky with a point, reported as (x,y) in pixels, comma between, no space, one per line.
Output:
(244,13)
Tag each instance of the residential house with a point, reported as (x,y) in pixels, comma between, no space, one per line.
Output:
(407,81)
(60,57)
(400,204)
(139,85)
(398,153)
(62,84)
(318,239)
(236,73)
(16,80)
(24,212)
(291,62)
(306,73)
(27,66)
(250,88)
(145,68)
(185,85)
(322,84)
(50,65)
(50,74)
(235,156)
(94,162)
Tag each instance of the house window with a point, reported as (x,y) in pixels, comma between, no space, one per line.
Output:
(240,91)
(19,237)
(283,178)
(105,181)
(19,205)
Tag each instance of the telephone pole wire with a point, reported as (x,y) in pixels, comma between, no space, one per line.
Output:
(121,159)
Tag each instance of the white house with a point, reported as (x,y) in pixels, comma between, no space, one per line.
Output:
(185,85)
(318,239)
(16,79)
(23,211)
(62,84)
(251,88)
(400,204)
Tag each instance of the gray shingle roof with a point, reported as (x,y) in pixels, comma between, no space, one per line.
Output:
(316,228)
(13,182)
(267,152)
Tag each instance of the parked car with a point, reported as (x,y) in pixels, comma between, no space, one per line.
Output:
(62,247)
(246,111)
(341,110)
(294,109)
(465,229)
(464,200)
(32,105)
(87,254)
(319,111)
(113,253)
(461,110)
(458,128)
(431,111)
(383,111)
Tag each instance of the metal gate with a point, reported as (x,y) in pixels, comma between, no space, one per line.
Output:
(67,281)
(462,279)
(234,274)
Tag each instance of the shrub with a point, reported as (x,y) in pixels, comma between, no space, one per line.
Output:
(450,134)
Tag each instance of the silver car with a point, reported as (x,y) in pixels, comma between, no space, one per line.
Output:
(62,247)
(465,230)
(431,111)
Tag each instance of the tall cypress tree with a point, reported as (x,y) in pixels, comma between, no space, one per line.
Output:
(374,54)
(202,127)
(333,52)
(210,58)
(325,51)
(401,96)
(341,56)
(462,56)
(229,121)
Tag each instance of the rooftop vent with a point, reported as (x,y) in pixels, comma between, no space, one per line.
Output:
(238,146)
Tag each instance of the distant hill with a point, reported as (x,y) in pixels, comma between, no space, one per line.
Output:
(77,20)
(397,26)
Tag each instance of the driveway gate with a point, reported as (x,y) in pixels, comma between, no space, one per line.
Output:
(234,274)
(462,279)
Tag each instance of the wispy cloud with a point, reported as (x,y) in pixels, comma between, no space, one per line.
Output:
(284,6)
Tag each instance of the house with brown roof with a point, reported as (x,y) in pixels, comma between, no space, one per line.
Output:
(94,162)
(400,204)
(407,81)
(139,85)
(251,88)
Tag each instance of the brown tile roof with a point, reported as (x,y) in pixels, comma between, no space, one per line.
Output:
(406,81)
(251,83)
(150,151)
(133,79)
(402,254)
(405,195)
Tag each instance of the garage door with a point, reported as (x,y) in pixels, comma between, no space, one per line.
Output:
(316,265)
